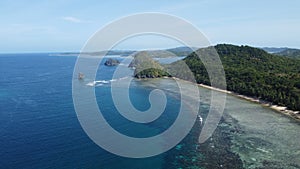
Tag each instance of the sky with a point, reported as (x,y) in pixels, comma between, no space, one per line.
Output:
(66,25)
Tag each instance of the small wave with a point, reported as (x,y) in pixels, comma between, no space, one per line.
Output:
(122,78)
(102,82)
(122,64)
(91,83)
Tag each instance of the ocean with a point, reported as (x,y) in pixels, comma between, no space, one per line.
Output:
(39,127)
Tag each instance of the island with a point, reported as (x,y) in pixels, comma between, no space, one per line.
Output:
(146,67)
(111,62)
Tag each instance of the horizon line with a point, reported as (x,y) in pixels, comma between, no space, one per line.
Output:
(79,51)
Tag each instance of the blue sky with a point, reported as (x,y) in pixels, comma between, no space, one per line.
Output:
(65,25)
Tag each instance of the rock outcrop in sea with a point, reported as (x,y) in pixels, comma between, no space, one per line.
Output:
(111,62)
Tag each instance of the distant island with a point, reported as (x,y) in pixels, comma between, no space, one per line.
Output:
(111,62)
(249,71)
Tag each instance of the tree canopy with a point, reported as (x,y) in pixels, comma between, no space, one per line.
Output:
(254,72)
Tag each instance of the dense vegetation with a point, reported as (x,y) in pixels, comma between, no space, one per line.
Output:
(254,72)
(181,51)
(146,67)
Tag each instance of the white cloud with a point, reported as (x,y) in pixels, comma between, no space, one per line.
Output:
(73,19)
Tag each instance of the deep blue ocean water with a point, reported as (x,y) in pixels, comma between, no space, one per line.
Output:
(39,126)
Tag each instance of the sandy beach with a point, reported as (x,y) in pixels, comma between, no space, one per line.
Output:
(283,110)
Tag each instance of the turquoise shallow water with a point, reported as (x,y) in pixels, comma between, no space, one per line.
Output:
(39,127)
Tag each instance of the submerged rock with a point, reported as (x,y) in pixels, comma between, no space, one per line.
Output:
(80,76)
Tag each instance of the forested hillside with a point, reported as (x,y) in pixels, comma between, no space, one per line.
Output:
(254,72)
(146,67)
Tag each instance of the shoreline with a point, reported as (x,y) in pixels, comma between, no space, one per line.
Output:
(279,109)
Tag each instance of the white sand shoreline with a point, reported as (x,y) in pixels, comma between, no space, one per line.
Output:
(283,110)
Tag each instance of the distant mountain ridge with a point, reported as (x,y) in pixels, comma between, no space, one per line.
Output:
(160,53)
(284,51)
(291,53)
(274,50)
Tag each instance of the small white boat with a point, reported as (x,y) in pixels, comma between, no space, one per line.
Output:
(200,119)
